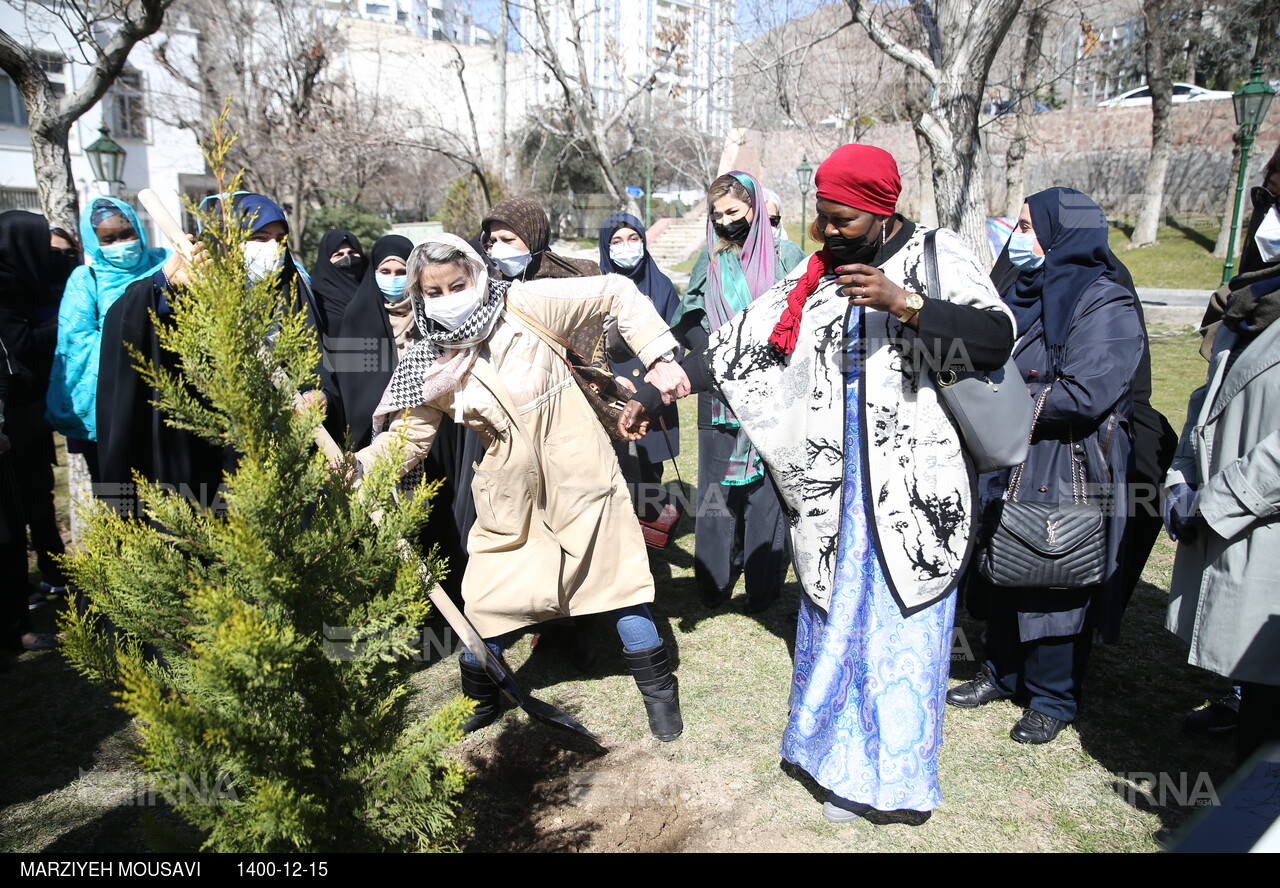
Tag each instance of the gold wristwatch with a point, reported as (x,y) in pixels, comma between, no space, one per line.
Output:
(915,302)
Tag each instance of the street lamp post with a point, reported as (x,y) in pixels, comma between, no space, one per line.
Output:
(648,163)
(106,157)
(804,177)
(1251,101)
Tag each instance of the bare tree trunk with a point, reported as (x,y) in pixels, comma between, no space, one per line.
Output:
(116,32)
(59,198)
(1014,168)
(928,199)
(502,97)
(1155,18)
(1229,216)
(969,32)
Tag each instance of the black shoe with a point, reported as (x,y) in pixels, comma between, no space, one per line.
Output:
(758,605)
(972,694)
(659,689)
(1036,727)
(712,600)
(1219,717)
(478,686)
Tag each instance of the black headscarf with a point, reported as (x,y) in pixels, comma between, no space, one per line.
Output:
(334,286)
(647,277)
(32,276)
(361,378)
(1072,231)
(26,259)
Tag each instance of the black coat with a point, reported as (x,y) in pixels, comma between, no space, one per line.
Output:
(1087,412)
(132,433)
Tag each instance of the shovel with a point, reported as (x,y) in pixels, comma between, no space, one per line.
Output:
(493,666)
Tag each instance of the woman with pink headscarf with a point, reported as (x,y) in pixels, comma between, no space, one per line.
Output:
(740,526)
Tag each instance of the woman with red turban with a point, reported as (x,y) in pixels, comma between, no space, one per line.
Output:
(830,376)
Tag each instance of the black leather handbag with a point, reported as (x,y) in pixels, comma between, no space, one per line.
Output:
(1047,545)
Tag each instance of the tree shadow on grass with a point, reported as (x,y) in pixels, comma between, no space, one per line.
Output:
(57,722)
(1137,693)
(1195,235)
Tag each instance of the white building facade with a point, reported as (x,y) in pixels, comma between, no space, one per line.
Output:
(159,156)
(686,45)
(449,21)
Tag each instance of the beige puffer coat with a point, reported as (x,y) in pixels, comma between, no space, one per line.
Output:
(555,533)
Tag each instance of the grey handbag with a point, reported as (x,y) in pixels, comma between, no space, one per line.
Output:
(990,408)
(1047,545)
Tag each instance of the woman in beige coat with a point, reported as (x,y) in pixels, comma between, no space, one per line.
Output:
(555,534)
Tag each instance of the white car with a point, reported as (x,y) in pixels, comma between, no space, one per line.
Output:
(1182,92)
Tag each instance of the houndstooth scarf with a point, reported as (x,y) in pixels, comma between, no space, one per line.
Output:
(436,363)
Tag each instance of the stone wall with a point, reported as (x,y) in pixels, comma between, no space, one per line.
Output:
(1100,151)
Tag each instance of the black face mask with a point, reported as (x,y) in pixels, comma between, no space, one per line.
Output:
(854,250)
(350,265)
(735,231)
(61,265)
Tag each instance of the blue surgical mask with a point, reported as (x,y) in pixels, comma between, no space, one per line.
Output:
(391,285)
(123,254)
(1021,253)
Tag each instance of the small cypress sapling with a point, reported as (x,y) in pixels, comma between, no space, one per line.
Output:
(262,718)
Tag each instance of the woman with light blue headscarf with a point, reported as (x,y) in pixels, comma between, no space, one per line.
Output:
(118,254)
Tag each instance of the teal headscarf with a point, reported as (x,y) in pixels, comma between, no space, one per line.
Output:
(112,280)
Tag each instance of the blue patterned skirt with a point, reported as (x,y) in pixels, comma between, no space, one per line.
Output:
(869,686)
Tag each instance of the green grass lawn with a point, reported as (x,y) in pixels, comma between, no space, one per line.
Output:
(71,785)
(1181,259)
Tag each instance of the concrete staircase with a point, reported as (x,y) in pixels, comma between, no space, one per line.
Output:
(672,241)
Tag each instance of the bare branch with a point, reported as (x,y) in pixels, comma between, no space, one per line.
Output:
(911,58)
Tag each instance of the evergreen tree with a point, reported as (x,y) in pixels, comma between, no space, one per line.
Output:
(264,717)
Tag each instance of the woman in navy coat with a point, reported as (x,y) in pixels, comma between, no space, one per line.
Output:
(624,249)
(1080,338)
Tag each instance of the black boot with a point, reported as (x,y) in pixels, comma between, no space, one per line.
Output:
(658,688)
(478,686)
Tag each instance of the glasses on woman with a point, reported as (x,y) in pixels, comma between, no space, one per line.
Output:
(1262,198)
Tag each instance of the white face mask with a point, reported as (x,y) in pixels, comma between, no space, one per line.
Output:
(262,258)
(452,309)
(510,261)
(1268,236)
(627,254)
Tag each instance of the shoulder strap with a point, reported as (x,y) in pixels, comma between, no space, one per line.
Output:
(546,336)
(543,333)
(931,265)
